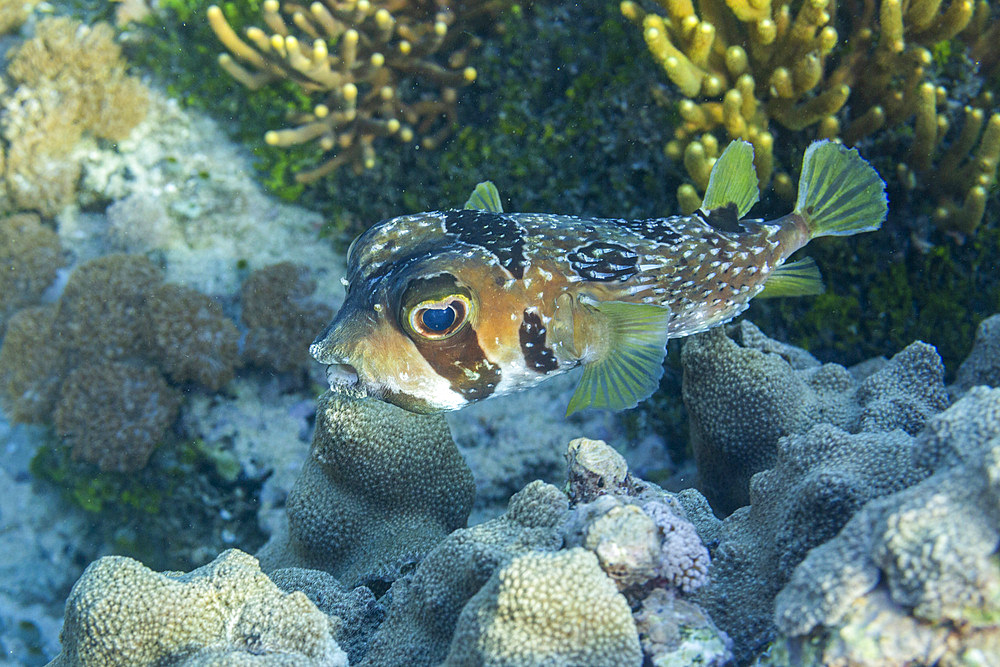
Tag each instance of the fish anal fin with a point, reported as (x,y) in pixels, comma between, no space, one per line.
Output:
(801,278)
(629,363)
(485,197)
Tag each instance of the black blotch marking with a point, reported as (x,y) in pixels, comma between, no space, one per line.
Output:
(604,262)
(461,361)
(532,334)
(725,219)
(496,233)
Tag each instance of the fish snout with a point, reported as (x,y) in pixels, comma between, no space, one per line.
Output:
(336,346)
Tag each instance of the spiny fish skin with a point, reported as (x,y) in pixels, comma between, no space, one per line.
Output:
(447,308)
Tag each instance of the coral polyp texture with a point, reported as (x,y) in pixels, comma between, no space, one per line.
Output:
(382,69)
(224,613)
(97,362)
(281,316)
(68,82)
(381,487)
(837,70)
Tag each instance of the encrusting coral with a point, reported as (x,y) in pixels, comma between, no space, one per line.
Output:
(224,613)
(913,578)
(372,69)
(281,317)
(70,81)
(741,400)
(30,256)
(96,359)
(381,487)
(740,66)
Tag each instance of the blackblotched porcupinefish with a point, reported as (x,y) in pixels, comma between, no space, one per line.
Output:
(447,308)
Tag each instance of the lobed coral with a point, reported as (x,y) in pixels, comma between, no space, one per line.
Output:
(547,608)
(922,561)
(740,66)
(70,81)
(741,400)
(113,334)
(381,487)
(370,69)
(280,316)
(226,612)
(420,626)
(30,256)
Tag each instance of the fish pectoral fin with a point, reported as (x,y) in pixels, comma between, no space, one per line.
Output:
(631,363)
(733,180)
(801,278)
(485,197)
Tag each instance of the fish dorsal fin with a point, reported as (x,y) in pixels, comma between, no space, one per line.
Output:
(801,278)
(725,219)
(733,180)
(485,197)
(629,365)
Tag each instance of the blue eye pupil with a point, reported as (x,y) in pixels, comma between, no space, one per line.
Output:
(438,319)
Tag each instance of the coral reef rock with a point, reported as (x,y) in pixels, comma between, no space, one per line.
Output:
(281,316)
(741,400)
(381,487)
(226,612)
(913,578)
(544,609)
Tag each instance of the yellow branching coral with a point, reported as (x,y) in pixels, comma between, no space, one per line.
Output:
(356,57)
(742,63)
(70,80)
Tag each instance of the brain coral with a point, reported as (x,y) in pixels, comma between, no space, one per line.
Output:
(281,318)
(224,613)
(381,487)
(547,609)
(113,414)
(30,255)
(741,400)
(923,561)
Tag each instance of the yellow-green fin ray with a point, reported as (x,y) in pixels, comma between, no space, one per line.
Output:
(801,278)
(733,180)
(839,193)
(485,197)
(630,368)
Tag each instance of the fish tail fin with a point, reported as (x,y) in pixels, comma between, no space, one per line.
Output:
(839,192)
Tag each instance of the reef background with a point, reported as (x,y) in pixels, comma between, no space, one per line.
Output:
(181,212)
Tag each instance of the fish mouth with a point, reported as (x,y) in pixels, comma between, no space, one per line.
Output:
(341,375)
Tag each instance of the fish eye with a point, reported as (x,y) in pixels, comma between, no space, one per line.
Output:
(437,319)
